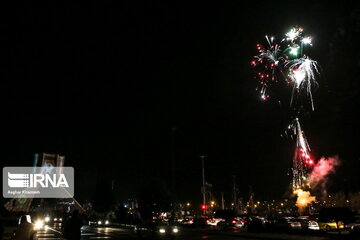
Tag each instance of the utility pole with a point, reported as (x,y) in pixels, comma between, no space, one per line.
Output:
(222,201)
(173,130)
(203,183)
(173,184)
(234,192)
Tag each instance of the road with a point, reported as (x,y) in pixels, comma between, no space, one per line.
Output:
(186,234)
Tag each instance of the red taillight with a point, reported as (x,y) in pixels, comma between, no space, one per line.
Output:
(234,221)
(292,225)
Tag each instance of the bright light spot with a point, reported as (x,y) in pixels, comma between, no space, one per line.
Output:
(175,230)
(107,222)
(99,222)
(298,76)
(188,204)
(55,219)
(47,219)
(306,41)
(39,224)
(294,51)
(293,33)
(162,230)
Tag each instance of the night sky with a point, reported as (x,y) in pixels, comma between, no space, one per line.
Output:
(104,84)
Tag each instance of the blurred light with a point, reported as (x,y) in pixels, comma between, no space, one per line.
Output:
(55,219)
(47,219)
(203,206)
(306,40)
(175,230)
(99,222)
(39,224)
(294,51)
(107,222)
(162,230)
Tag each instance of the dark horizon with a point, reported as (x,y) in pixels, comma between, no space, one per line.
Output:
(105,83)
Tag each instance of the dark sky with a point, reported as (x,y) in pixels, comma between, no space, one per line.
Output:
(105,82)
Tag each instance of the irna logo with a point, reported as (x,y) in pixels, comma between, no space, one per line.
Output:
(16,180)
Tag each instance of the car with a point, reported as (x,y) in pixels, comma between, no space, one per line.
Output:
(354,226)
(99,222)
(308,224)
(226,224)
(200,221)
(285,224)
(334,218)
(57,219)
(329,225)
(213,221)
(187,221)
(162,230)
(355,229)
(255,223)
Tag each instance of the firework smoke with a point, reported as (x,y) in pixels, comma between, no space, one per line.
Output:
(317,178)
(304,198)
(319,175)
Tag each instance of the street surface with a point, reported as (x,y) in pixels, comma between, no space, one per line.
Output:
(187,234)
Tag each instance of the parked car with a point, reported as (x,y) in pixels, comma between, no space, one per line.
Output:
(226,224)
(213,221)
(187,221)
(308,223)
(285,224)
(334,218)
(200,221)
(354,226)
(355,229)
(329,225)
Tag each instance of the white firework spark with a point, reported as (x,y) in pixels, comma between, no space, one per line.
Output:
(301,156)
(293,34)
(302,73)
(307,41)
(272,54)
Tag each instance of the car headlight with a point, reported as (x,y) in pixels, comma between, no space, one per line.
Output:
(175,230)
(60,219)
(39,224)
(47,219)
(99,222)
(55,219)
(107,222)
(162,230)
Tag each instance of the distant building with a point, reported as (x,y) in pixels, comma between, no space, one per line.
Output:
(48,159)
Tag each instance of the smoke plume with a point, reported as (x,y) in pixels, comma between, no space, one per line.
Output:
(323,168)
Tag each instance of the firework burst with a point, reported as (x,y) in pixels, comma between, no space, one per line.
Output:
(285,62)
(302,72)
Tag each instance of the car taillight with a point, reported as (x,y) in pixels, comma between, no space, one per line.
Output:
(292,225)
(234,221)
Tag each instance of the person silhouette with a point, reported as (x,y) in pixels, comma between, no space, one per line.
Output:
(72,228)
(25,230)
